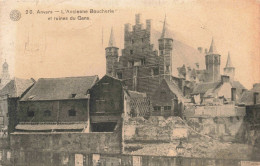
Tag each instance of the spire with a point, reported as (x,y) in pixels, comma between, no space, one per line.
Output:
(212,48)
(229,63)
(165,33)
(112,42)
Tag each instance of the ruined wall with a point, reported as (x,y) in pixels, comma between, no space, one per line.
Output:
(73,142)
(155,129)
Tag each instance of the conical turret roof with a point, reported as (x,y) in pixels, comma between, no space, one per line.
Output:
(165,33)
(229,63)
(212,49)
(112,42)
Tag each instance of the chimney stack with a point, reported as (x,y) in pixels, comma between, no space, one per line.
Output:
(224,78)
(200,49)
(233,94)
(256,94)
(137,19)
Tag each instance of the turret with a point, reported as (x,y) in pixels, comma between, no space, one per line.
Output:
(165,53)
(111,55)
(229,70)
(5,74)
(212,59)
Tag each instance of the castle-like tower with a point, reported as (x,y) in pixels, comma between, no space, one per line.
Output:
(5,78)
(165,53)
(111,55)
(212,59)
(229,70)
(140,66)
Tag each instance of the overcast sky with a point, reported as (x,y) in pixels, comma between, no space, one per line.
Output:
(37,47)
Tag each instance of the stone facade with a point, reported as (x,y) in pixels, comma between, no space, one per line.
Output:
(140,67)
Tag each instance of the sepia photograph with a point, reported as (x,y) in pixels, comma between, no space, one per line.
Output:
(130,83)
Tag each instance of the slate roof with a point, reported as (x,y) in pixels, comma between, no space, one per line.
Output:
(212,49)
(175,89)
(229,63)
(134,94)
(112,41)
(60,88)
(247,97)
(237,85)
(16,87)
(204,87)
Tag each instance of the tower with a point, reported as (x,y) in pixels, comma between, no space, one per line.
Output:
(229,70)
(5,74)
(165,53)
(111,55)
(212,59)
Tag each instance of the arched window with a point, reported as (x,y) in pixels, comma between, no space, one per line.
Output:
(47,113)
(72,112)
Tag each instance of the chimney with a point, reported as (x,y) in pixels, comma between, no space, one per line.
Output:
(127,27)
(233,94)
(137,19)
(256,94)
(200,49)
(224,78)
(148,25)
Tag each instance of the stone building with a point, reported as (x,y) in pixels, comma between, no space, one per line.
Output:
(140,67)
(56,104)
(10,95)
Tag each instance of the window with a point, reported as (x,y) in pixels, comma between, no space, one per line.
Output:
(231,119)
(119,75)
(73,95)
(142,40)
(47,113)
(30,113)
(142,61)
(103,127)
(157,108)
(72,112)
(200,120)
(167,107)
(133,41)
(156,71)
(167,68)
(142,50)
(131,52)
(1,120)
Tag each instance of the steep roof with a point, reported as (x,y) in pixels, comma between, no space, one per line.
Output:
(165,33)
(175,89)
(247,97)
(112,41)
(212,49)
(16,87)
(237,85)
(135,94)
(60,88)
(204,87)
(229,63)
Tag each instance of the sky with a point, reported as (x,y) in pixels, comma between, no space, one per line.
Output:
(36,47)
